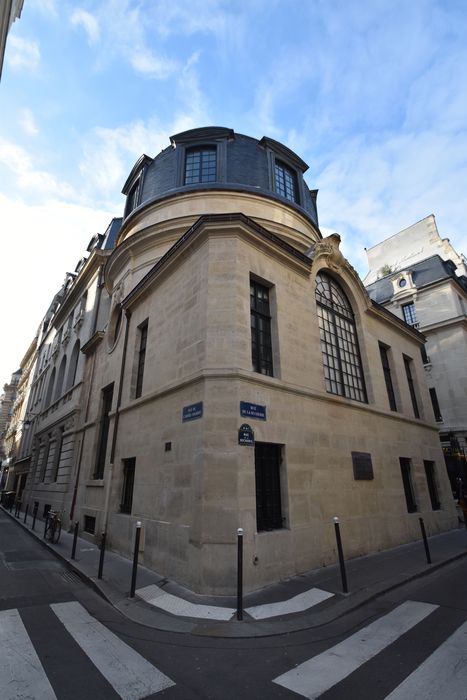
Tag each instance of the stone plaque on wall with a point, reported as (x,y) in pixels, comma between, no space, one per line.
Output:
(362,466)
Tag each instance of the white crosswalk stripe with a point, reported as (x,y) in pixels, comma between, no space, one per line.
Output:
(131,676)
(441,675)
(317,675)
(21,672)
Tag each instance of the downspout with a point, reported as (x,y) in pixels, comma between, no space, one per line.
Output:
(116,421)
(100,284)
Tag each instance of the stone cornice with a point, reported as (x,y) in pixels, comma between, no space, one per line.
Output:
(221,225)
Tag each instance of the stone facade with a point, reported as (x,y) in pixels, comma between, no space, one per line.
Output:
(419,274)
(211,326)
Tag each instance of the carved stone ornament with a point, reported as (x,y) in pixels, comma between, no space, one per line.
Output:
(329,249)
(118,294)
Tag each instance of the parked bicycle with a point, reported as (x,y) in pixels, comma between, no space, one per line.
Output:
(53,528)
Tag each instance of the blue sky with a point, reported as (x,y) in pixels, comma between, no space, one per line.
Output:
(372,95)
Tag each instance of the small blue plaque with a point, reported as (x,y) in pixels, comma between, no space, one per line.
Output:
(252,410)
(246,435)
(192,412)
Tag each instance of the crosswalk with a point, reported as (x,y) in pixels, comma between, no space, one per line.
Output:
(442,675)
(22,675)
(26,672)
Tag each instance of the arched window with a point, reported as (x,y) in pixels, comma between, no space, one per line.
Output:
(50,388)
(60,378)
(73,366)
(339,344)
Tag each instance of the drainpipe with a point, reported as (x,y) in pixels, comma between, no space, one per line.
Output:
(116,421)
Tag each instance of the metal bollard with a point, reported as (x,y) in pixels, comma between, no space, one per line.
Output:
(101,557)
(240,573)
(75,539)
(340,552)
(425,541)
(34,515)
(26,513)
(135,560)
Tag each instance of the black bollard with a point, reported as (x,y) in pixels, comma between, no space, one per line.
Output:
(34,515)
(135,560)
(26,512)
(240,573)
(340,552)
(425,540)
(46,523)
(75,539)
(101,557)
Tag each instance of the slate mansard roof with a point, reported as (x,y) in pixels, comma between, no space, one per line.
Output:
(428,271)
(243,164)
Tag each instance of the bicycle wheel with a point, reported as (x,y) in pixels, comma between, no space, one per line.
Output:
(56,532)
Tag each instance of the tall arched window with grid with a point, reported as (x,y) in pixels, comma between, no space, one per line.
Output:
(339,343)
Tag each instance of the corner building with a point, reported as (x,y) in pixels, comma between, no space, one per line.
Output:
(240,383)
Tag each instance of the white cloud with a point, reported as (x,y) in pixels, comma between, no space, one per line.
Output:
(28,122)
(22,54)
(369,191)
(149,64)
(45,7)
(81,18)
(28,178)
(52,237)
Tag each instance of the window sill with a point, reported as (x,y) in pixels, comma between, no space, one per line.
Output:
(95,482)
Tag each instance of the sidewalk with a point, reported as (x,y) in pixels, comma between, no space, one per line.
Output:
(294,604)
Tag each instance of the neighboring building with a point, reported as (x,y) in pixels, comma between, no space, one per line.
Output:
(51,444)
(7,400)
(235,374)
(421,278)
(9,11)
(14,434)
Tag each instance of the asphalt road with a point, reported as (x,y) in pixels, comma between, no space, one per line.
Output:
(59,639)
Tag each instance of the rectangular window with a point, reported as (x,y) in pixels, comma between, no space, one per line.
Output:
(133,197)
(408,371)
(106,406)
(406,467)
(423,353)
(432,485)
(143,337)
(435,404)
(261,345)
(128,483)
(409,313)
(387,377)
(201,165)
(89,524)
(45,459)
(268,459)
(58,454)
(286,182)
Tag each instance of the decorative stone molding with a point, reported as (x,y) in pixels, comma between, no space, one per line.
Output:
(79,319)
(329,249)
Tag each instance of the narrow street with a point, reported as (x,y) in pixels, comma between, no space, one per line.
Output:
(60,639)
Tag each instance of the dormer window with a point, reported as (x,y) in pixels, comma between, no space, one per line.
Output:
(286,181)
(133,197)
(133,187)
(201,165)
